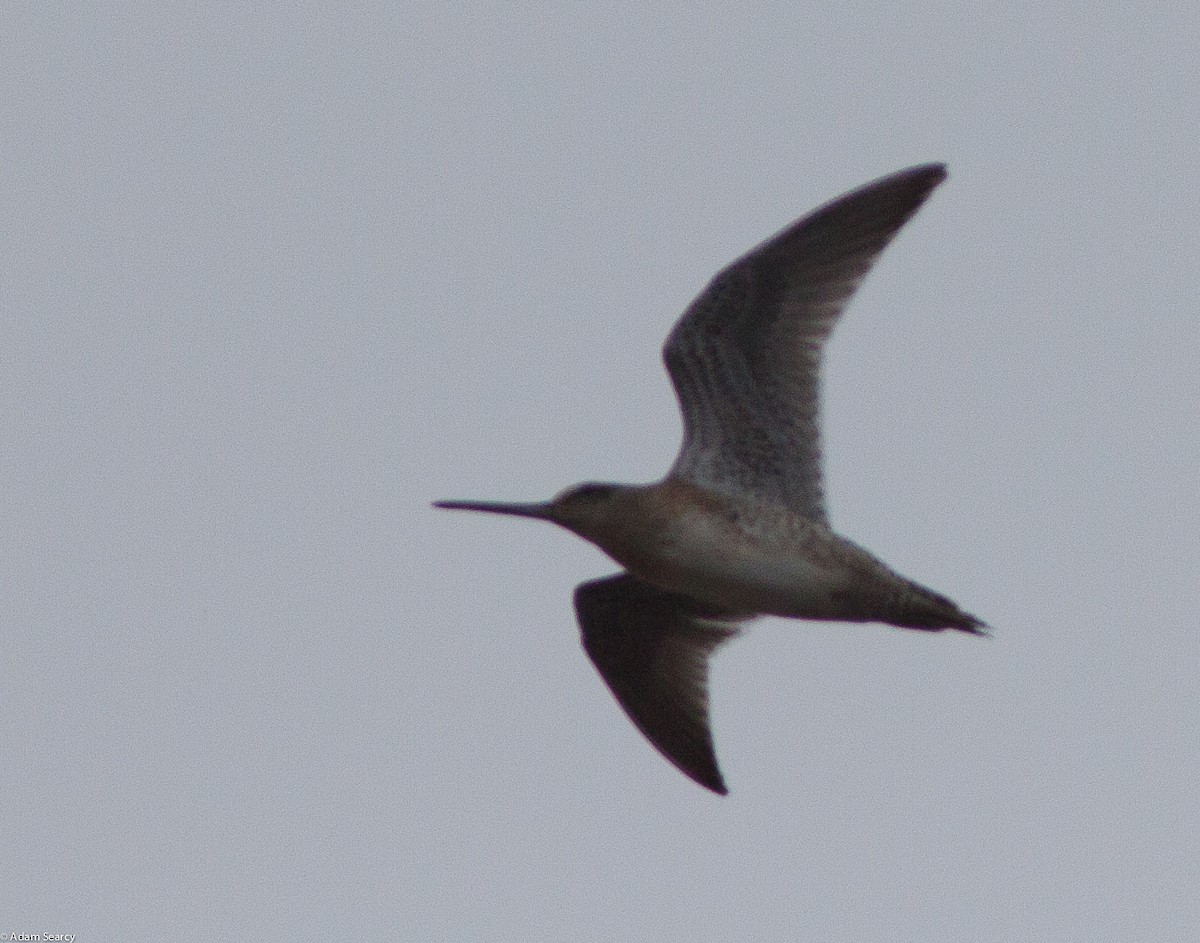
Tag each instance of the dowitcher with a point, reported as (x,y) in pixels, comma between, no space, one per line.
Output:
(738,527)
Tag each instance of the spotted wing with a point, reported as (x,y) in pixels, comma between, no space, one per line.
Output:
(651,648)
(745,358)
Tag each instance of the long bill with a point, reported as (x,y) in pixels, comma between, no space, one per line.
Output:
(539,510)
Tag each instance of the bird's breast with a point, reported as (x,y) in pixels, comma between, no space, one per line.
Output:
(733,558)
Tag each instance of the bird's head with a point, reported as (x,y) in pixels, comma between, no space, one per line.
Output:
(581,509)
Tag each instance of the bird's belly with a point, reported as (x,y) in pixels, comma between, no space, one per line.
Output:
(732,571)
(786,586)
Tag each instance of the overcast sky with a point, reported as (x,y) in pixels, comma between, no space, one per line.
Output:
(274,277)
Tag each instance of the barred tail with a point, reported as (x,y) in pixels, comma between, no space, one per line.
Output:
(921,608)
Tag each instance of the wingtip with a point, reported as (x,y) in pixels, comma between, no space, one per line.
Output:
(707,775)
(703,771)
(923,178)
(711,779)
(935,171)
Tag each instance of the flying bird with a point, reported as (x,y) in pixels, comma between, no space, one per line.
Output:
(738,527)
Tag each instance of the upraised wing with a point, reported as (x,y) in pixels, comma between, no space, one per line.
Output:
(745,358)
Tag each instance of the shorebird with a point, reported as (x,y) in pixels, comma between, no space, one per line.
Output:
(738,527)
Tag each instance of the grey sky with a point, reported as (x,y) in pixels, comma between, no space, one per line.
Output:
(274,279)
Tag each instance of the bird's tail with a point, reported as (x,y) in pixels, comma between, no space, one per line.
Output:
(921,608)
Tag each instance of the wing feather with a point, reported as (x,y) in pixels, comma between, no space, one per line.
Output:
(652,648)
(745,358)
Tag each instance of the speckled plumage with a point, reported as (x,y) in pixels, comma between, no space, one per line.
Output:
(738,528)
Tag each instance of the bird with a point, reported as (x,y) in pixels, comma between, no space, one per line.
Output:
(738,527)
